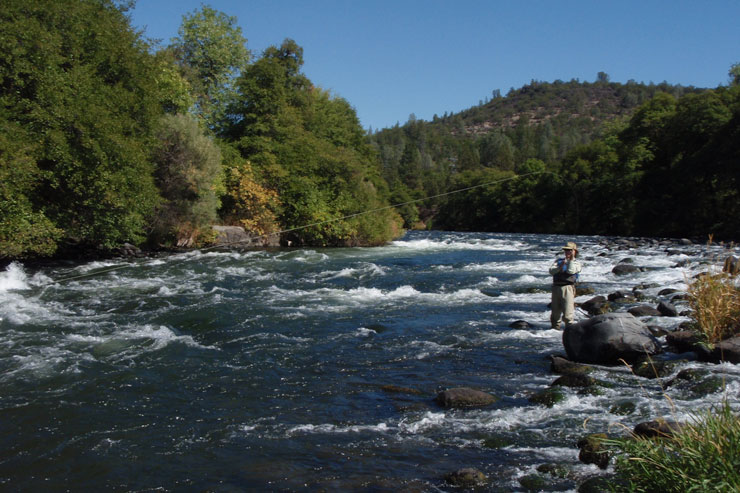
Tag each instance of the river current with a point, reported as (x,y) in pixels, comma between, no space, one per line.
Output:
(315,369)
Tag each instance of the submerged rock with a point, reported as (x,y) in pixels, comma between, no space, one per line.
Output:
(574,380)
(623,408)
(644,311)
(647,368)
(609,338)
(622,296)
(593,450)
(520,324)
(548,397)
(624,269)
(464,397)
(562,366)
(468,477)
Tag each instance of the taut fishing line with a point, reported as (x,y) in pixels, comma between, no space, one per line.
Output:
(320,223)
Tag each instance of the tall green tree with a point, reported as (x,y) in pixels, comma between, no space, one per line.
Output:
(212,52)
(310,148)
(78,78)
(188,176)
(24,229)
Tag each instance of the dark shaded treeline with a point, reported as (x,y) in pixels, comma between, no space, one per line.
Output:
(106,138)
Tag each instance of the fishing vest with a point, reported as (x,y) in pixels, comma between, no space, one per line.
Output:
(564,279)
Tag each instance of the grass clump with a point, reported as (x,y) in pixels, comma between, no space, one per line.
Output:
(703,455)
(715,301)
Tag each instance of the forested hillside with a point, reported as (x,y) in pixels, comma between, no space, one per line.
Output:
(106,138)
(575,157)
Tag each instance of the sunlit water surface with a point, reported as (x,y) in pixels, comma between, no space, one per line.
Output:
(311,369)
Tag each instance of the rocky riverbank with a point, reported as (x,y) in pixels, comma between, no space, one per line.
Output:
(612,338)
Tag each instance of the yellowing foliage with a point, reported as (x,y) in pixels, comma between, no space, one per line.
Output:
(252,204)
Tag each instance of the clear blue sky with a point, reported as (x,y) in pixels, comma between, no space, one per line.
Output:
(392,58)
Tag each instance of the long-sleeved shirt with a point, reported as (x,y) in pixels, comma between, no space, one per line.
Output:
(565,272)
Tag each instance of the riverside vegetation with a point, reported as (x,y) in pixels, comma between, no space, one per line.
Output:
(703,455)
(109,138)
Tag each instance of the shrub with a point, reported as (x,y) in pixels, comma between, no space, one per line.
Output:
(715,301)
(703,455)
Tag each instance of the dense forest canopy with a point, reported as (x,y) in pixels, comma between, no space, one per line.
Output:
(106,138)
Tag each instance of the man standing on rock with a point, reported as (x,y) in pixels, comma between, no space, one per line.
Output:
(564,273)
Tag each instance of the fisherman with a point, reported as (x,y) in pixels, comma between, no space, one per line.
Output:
(564,273)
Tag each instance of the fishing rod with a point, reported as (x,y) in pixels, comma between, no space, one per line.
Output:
(327,221)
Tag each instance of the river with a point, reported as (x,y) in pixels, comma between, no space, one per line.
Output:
(314,369)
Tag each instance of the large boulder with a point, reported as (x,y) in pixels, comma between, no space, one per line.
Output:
(608,338)
(237,237)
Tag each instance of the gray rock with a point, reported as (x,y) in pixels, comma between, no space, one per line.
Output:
(624,269)
(562,366)
(593,450)
(595,306)
(644,311)
(727,350)
(236,236)
(682,341)
(605,339)
(464,397)
(667,309)
(466,478)
(622,296)
(657,428)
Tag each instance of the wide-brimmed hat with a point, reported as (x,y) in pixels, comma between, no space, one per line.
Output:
(570,246)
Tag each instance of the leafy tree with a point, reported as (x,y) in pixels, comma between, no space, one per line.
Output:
(212,52)
(24,230)
(311,149)
(79,79)
(187,175)
(735,74)
(175,89)
(246,202)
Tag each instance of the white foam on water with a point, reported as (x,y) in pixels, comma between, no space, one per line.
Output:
(14,278)
(324,429)
(247,273)
(95,265)
(273,336)
(303,256)
(16,305)
(367,270)
(339,300)
(429,421)
(428,349)
(137,338)
(365,332)
(42,362)
(523,335)
(494,244)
